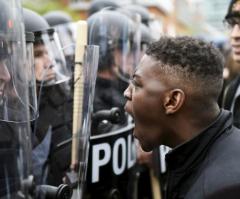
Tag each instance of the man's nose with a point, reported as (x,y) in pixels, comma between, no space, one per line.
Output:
(4,73)
(128,93)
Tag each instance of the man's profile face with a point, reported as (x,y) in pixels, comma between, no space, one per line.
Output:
(43,64)
(145,97)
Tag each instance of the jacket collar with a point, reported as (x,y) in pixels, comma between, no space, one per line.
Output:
(189,154)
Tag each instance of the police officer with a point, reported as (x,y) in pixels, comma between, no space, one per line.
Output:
(54,93)
(117,59)
(15,86)
(118,52)
(53,129)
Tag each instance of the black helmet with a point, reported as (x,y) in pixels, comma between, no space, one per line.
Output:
(57,17)
(34,22)
(97,5)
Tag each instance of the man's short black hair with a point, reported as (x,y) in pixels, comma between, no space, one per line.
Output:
(197,64)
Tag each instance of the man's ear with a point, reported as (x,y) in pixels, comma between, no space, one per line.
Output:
(173,101)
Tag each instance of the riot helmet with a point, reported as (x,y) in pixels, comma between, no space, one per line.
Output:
(97,5)
(50,64)
(57,17)
(117,41)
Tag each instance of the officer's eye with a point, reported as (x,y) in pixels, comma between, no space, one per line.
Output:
(38,53)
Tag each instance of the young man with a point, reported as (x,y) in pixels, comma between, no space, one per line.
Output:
(173,100)
(231,98)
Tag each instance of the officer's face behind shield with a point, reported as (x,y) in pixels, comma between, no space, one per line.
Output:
(50,64)
(119,47)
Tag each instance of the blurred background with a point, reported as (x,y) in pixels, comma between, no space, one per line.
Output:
(199,18)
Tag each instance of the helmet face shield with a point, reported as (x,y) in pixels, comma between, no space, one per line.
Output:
(50,64)
(117,39)
(31,76)
(66,37)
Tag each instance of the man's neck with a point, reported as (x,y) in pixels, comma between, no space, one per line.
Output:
(188,127)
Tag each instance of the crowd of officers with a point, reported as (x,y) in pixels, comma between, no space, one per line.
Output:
(37,63)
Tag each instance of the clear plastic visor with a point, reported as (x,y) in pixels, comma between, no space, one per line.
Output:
(15,142)
(118,38)
(31,81)
(49,60)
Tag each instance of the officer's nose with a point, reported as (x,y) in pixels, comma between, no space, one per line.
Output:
(48,62)
(4,73)
(128,93)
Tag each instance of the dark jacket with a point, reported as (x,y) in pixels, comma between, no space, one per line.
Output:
(230,93)
(208,166)
(228,100)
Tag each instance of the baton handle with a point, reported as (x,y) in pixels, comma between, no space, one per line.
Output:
(81,42)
